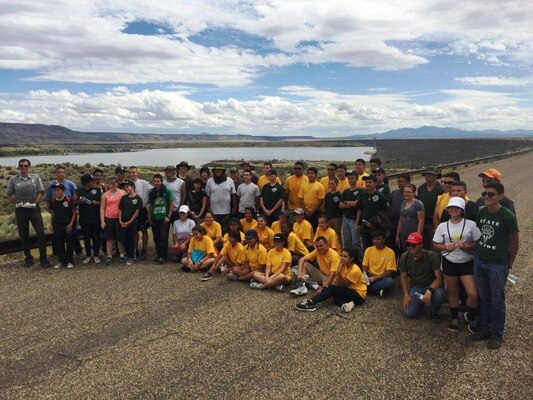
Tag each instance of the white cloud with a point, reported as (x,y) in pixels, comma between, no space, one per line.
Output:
(494,81)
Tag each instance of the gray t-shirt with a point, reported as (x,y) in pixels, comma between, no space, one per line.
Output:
(220,195)
(25,189)
(247,194)
(409,217)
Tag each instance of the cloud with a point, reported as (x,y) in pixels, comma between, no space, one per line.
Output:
(494,81)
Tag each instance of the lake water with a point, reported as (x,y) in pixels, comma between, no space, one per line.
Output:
(200,156)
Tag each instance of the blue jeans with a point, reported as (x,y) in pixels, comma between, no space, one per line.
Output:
(386,283)
(437,298)
(490,281)
(350,238)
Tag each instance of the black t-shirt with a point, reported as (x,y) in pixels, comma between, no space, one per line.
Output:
(196,200)
(370,204)
(272,194)
(62,210)
(429,199)
(128,206)
(331,204)
(88,213)
(350,195)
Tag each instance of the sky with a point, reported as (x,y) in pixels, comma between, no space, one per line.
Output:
(267,67)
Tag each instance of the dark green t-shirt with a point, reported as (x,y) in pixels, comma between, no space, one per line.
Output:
(331,204)
(493,245)
(160,205)
(370,204)
(350,195)
(128,206)
(384,190)
(429,198)
(88,213)
(422,271)
(272,194)
(62,210)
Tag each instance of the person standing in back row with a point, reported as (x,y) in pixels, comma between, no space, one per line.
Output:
(177,187)
(427,194)
(311,197)
(160,207)
(292,186)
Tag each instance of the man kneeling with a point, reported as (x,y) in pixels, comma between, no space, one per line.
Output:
(379,263)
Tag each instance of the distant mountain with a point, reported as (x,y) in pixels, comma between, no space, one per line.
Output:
(434,132)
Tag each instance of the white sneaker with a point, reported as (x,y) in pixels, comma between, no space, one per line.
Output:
(86,260)
(223,267)
(70,266)
(299,291)
(347,307)
(97,260)
(58,266)
(256,285)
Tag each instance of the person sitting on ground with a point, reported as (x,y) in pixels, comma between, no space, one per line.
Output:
(278,267)
(213,229)
(181,234)
(421,279)
(332,208)
(303,229)
(130,208)
(255,259)
(231,256)
(455,239)
(234,226)
(317,269)
(201,253)
(324,230)
(283,217)
(63,222)
(294,244)
(347,290)
(248,222)
(379,263)
(264,233)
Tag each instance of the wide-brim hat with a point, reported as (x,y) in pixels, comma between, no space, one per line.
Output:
(247,163)
(432,171)
(219,167)
(184,164)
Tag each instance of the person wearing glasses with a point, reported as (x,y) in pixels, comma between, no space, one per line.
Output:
(493,175)
(331,173)
(26,190)
(495,254)
(292,186)
(447,182)
(420,279)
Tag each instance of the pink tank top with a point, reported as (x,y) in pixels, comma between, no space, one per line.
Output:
(112,203)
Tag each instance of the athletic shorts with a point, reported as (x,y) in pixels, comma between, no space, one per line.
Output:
(457,269)
(111,228)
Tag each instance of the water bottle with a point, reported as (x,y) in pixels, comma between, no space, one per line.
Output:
(419,296)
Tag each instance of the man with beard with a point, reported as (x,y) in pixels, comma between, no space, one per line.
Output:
(222,196)
(178,188)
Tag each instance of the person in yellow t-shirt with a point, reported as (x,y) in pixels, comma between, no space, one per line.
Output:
(324,230)
(319,266)
(343,182)
(360,166)
(264,233)
(283,217)
(232,255)
(294,244)
(248,222)
(263,179)
(254,261)
(447,181)
(379,263)
(278,267)
(213,229)
(311,197)
(347,290)
(234,226)
(331,171)
(303,229)
(201,252)
(292,186)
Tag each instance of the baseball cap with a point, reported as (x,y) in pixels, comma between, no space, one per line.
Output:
(59,186)
(278,237)
(183,209)
(170,168)
(86,178)
(370,177)
(298,211)
(251,234)
(272,172)
(415,238)
(234,221)
(184,164)
(492,173)
(233,169)
(456,202)
(129,183)
(378,171)
(120,170)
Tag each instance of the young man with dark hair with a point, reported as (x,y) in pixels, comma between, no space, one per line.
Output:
(160,207)
(177,187)
(292,186)
(381,186)
(447,181)
(493,175)
(311,197)
(331,205)
(427,194)
(130,207)
(142,188)
(348,204)
(222,196)
(372,211)
(247,194)
(471,207)
(379,263)
(272,197)
(343,183)
(360,169)
(88,200)
(263,179)
(62,224)
(395,206)
(331,173)
(495,254)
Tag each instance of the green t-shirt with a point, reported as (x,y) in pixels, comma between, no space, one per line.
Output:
(128,206)
(429,198)
(331,204)
(272,194)
(493,245)
(88,213)
(62,210)
(370,204)
(384,190)
(350,195)
(160,205)
(422,271)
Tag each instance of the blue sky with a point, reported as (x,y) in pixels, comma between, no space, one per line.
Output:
(266,67)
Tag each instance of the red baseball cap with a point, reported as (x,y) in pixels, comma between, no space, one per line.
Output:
(415,238)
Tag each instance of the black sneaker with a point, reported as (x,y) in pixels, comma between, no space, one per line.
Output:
(45,263)
(476,337)
(494,343)
(472,325)
(306,305)
(185,268)
(28,262)
(435,317)
(142,256)
(208,276)
(454,325)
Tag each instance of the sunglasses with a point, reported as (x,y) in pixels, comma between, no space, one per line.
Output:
(331,169)
(298,168)
(411,244)
(447,182)
(488,194)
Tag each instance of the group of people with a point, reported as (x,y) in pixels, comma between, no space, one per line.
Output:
(343,236)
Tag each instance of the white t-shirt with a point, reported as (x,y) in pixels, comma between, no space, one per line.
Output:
(183,228)
(447,232)
(175,188)
(220,195)
(142,188)
(247,194)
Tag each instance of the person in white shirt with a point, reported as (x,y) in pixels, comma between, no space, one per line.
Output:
(222,196)
(247,194)
(142,188)
(177,187)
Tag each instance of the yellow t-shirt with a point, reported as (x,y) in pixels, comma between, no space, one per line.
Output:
(343,185)
(225,238)
(442,202)
(235,253)
(325,182)
(276,258)
(256,256)
(379,261)
(246,226)
(355,276)
(331,235)
(205,245)
(276,227)
(292,188)
(295,245)
(327,263)
(304,230)
(266,237)
(214,231)
(312,194)
(360,182)
(263,180)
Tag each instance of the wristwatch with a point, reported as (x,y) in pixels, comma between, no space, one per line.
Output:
(430,289)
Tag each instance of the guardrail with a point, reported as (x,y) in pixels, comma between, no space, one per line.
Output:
(12,244)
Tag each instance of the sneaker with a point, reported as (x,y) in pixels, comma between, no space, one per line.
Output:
(306,305)
(478,336)
(45,263)
(382,293)
(28,262)
(472,325)
(208,276)
(160,260)
(97,260)
(70,266)
(280,288)
(108,260)
(299,291)
(256,285)
(347,307)
(223,267)
(435,317)
(142,256)
(494,343)
(122,259)
(232,277)
(129,261)
(454,325)
(86,260)
(185,268)
(58,266)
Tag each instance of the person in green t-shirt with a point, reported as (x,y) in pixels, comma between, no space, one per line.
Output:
(160,208)
(129,209)
(495,254)
(88,200)
(63,224)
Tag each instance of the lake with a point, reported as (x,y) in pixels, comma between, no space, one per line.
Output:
(199,155)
